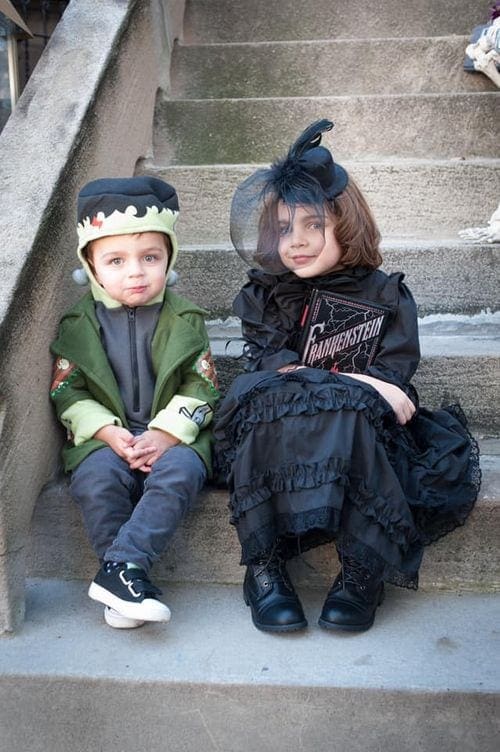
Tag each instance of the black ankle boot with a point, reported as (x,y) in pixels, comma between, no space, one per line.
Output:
(272,598)
(353,599)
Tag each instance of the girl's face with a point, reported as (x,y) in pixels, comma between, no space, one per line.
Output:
(307,243)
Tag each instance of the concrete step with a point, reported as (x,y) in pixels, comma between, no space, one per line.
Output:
(425,677)
(210,131)
(206,549)
(261,20)
(323,68)
(445,277)
(411,199)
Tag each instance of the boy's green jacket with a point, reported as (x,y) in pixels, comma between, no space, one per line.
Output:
(181,361)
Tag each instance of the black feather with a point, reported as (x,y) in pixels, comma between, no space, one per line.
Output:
(309,138)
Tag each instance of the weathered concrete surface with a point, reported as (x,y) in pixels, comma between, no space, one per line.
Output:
(453,277)
(411,199)
(425,677)
(206,548)
(326,67)
(86,112)
(366,127)
(234,20)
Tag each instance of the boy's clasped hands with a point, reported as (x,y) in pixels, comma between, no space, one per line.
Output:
(140,452)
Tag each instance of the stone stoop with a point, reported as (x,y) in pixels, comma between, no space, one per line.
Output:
(420,139)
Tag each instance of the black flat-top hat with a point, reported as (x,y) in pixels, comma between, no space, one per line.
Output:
(307,175)
(307,166)
(120,206)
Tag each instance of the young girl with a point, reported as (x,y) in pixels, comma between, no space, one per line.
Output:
(313,456)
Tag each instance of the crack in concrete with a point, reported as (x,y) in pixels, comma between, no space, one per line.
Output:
(209,733)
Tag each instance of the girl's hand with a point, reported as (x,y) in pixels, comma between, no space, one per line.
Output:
(149,447)
(290,367)
(397,399)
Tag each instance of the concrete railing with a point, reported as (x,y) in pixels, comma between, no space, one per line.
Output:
(86,112)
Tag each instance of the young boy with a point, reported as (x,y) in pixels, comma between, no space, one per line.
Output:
(135,387)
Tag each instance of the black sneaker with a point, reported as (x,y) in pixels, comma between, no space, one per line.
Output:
(129,592)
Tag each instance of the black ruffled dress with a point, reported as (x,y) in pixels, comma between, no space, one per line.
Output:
(310,456)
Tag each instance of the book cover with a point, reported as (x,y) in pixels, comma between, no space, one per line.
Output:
(339,333)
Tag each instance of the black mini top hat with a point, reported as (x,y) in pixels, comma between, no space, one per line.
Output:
(308,166)
(307,175)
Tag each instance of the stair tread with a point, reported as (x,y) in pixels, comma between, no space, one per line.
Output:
(337,41)
(420,642)
(388,243)
(431,95)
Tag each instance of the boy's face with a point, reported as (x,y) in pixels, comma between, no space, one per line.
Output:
(307,244)
(131,268)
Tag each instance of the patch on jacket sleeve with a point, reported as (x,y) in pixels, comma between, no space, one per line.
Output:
(206,368)
(198,415)
(64,373)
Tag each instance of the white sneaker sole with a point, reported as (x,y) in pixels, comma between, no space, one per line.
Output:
(117,621)
(148,610)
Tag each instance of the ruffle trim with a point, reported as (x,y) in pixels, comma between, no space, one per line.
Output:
(289,478)
(377,509)
(262,404)
(348,545)
(334,471)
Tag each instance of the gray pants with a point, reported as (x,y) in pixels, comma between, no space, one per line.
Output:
(130,516)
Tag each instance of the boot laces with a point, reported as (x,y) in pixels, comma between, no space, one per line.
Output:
(354,573)
(273,566)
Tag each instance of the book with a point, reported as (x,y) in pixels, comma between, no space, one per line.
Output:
(340,334)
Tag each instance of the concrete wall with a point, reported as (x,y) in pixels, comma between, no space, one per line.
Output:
(86,112)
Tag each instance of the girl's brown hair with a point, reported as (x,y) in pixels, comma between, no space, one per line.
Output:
(355,228)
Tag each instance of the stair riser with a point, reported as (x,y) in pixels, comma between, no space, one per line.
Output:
(103,712)
(325,68)
(235,20)
(408,199)
(255,130)
(206,548)
(443,280)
